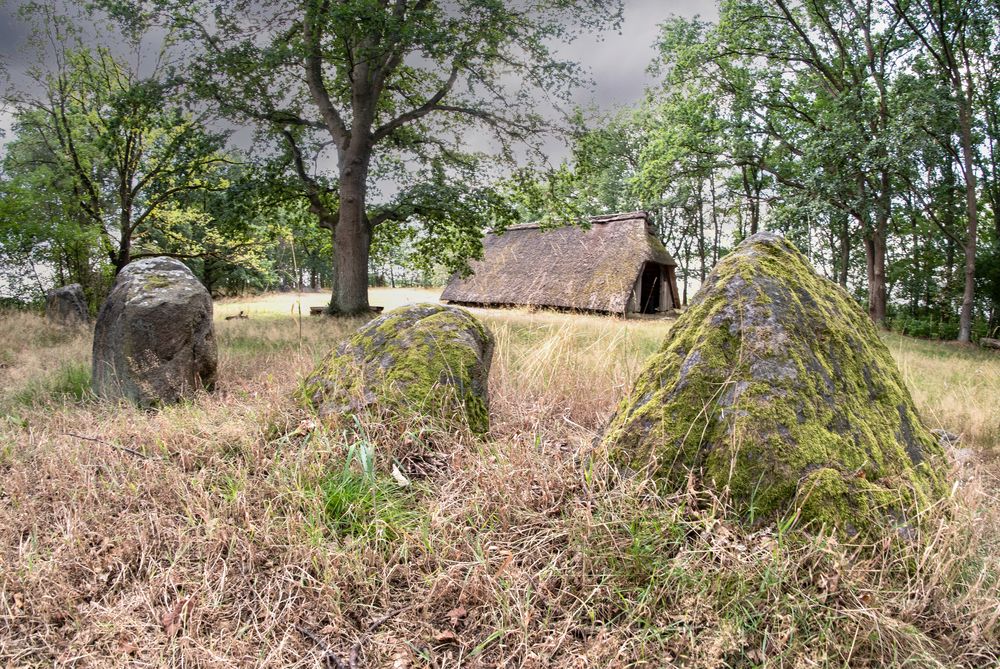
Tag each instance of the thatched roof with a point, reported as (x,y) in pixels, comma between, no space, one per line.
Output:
(591,269)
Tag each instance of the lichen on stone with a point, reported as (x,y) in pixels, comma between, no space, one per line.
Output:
(776,390)
(155,281)
(424,360)
(154,339)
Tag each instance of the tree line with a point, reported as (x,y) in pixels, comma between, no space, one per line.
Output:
(358,115)
(864,130)
(340,144)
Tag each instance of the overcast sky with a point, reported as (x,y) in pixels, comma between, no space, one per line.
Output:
(617,61)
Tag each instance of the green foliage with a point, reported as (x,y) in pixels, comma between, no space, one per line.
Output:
(933,328)
(394,90)
(103,157)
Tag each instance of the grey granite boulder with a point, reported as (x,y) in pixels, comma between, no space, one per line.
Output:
(67,306)
(154,341)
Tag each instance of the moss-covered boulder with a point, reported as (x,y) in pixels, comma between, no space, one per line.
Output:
(774,388)
(421,360)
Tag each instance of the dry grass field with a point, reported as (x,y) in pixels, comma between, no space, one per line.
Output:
(235,531)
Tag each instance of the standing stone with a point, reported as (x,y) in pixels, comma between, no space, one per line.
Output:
(775,390)
(424,360)
(67,306)
(154,341)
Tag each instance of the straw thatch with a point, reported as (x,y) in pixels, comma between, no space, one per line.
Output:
(592,269)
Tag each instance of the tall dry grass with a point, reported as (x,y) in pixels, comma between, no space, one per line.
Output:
(956,387)
(234,531)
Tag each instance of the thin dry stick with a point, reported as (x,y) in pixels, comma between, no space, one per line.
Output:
(329,658)
(378,622)
(125,449)
(298,287)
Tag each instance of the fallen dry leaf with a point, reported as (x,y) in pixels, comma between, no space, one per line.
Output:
(305,427)
(399,476)
(171,619)
(456,614)
(127,648)
(446,636)
(503,566)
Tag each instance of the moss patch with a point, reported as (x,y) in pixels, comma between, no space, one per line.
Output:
(775,389)
(155,281)
(423,360)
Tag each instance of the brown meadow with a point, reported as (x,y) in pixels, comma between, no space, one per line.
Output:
(235,531)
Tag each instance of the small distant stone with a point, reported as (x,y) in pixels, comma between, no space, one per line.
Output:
(775,391)
(154,341)
(425,360)
(67,306)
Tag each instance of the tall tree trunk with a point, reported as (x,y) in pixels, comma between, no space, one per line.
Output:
(845,249)
(915,267)
(752,191)
(870,268)
(949,276)
(716,227)
(878,291)
(351,241)
(687,273)
(124,254)
(971,208)
(701,232)
(208,276)
(877,296)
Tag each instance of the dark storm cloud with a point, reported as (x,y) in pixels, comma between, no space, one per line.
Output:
(617,60)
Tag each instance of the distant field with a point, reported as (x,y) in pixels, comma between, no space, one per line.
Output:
(286,304)
(232,531)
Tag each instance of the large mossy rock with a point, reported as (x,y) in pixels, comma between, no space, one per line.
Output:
(776,389)
(67,305)
(154,341)
(424,360)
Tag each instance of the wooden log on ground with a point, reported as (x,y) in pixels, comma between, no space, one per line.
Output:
(986,342)
(319,311)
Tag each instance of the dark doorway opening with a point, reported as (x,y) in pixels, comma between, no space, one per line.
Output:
(649,289)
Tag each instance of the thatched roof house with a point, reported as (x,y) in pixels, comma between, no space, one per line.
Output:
(618,265)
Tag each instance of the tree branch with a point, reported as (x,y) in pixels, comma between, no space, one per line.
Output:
(423,110)
(314,80)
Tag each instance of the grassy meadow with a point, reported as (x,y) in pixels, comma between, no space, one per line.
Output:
(233,530)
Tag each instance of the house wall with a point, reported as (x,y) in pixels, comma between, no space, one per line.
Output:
(666,294)
(675,298)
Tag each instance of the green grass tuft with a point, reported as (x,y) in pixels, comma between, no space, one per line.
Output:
(69,383)
(361,503)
